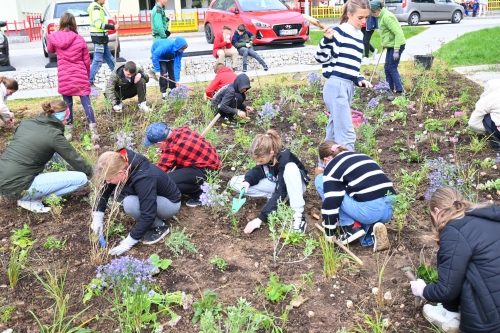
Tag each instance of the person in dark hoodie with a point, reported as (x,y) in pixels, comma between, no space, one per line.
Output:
(127,81)
(224,76)
(149,195)
(468,263)
(33,145)
(166,55)
(277,175)
(229,100)
(243,42)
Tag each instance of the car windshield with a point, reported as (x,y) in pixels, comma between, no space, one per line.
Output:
(256,5)
(75,8)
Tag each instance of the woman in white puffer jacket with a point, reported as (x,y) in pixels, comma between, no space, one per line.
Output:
(8,86)
(485,119)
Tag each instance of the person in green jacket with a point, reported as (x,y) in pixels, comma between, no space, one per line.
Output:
(127,81)
(393,40)
(33,145)
(159,22)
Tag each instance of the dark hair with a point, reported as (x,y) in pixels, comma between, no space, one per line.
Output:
(68,22)
(54,107)
(352,6)
(130,67)
(263,144)
(242,27)
(325,149)
(226,28)
(9,83)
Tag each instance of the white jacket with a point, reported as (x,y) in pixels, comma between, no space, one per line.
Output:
(5,113)
(489,102)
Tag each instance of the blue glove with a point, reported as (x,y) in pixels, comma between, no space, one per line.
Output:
(395,55)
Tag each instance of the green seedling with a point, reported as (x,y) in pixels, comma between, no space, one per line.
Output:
(162,264)
(22,237)
(275,290)
(427,273)
(219,262)
(52,243)
(208,302)
(179,241)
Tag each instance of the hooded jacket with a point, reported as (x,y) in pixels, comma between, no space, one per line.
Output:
(489,102)
(117,82)
(220,43)
(229,98)
(73,62)
(469,269)
(35,142)
(224,76)
(391,33)
(146,181)
(168,50)
(241,41)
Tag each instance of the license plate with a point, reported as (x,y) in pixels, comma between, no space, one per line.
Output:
(83,28)
(288,32)
(391,8)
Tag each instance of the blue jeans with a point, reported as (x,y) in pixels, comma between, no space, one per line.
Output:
(391,69)
(245,52)
(101,53)
(58,183)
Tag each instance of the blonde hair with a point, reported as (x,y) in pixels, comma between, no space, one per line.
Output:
(109,164)
(9,83)
(452,206)
(352,6)
(325,149)
(54,107)
(263,144)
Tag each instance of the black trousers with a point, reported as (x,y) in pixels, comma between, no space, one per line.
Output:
(367,36)
(189,180)
(167,67)
(452,306)
(138,89)
(491,127)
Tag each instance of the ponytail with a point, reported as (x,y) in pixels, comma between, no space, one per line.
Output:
(263,144)
(325,149)
(352,6)
(54,107)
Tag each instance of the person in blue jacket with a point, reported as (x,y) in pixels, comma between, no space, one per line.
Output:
(166,55)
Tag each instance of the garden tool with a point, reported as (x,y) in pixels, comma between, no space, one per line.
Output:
(342,246)
(380,57)
(412,277)
(238,203)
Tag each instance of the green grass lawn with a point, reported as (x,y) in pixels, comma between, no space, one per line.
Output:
(474,48)
(316,36)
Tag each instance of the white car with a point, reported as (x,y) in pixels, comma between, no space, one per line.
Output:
(79,9)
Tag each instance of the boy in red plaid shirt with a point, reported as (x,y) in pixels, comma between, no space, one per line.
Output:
(189,153)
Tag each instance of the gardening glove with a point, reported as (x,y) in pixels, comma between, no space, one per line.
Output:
(417,287)
(395,55)
(123,247)
(245,185)
(96,224)
(252,225)
(117,107)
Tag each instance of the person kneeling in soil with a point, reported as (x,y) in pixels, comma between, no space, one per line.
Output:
(8,86)
(356,194)
(127,81)
(224,76)
(486,116)
(149,195)
(278,174)
(188,153)
(229,100)
(468,265)
(33,145)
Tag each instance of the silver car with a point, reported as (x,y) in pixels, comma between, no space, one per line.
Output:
(415,11)
(79,9)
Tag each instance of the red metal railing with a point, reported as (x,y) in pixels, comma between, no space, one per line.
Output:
(35,31)
(26,27)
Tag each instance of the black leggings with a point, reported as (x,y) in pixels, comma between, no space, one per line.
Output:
(167,67)
(189,180)
(367,35)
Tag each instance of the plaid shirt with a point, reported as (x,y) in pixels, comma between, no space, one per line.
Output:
(185,148)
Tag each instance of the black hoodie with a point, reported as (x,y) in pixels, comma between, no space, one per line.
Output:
(229,98)
(469,269)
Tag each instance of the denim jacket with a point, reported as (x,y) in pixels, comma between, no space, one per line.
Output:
(371,23)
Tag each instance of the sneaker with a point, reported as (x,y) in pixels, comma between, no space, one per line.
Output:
(265,67)
(364,60)
(230,123)
(152,74)
(374,54)
(118,107)
(193,202)
(35,206)
(351,233)
(445,320)
(93,86)
(300,224)
(155,235)
(390,95)
(163,96)
(380,237)
(144,107)
(244,68)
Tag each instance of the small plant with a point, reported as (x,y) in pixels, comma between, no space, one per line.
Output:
(268,113)
(22,237)
(55,203)
(294,238)
(115,229)
(315,83)
(219,262)
(52,243)
(124,140)
(427,273)
(6,312)
(178,241)
(490,185)
(275,290)
(57,163)
(18,259)
(86,141)
(374,324)
(459,176)
(208,302)
(332,258)
(212,197)
(280,223)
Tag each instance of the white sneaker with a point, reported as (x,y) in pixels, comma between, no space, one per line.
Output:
(35,206)
(118,107)
(445,320)
(374,54)
(144,107)
(364,60)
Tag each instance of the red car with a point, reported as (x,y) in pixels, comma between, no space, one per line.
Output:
(271,21)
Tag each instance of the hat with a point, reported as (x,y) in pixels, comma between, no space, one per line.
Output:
(376,5)
(156,132)
(63,115)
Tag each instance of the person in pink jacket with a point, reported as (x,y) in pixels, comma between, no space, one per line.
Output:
(73,62)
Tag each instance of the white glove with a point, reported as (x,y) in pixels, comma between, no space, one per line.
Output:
(123,247)
(252,225)
(417,287)
(97,222)
(248,44)
(117,107)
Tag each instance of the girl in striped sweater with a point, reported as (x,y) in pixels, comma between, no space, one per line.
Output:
(340,54)
(357,196)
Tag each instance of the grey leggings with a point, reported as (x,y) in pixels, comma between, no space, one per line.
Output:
(165,209)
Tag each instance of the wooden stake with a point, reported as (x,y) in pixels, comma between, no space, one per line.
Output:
(212,123)
(380,57)
(339,244)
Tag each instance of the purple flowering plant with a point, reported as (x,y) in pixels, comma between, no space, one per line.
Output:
(125,140)
(459,176)
(267,113)
(381,88)
(373,102)
(180,92)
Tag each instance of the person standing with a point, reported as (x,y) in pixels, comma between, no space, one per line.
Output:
(483,5)
(370,26)
(224,76)
(8,86)
(73,62)
(223,47)
(393,40)
(159,22)
(99,35)
(243,42)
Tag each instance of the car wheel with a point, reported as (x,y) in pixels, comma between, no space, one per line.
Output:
(432,22)
(413,19)
(457,17)
(45,52)
(209,34)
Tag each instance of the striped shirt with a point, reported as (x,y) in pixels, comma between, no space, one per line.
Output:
(353,174)
(341,56)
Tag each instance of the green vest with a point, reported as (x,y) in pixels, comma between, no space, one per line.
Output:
(96,20)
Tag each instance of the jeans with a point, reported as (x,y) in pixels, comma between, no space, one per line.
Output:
(167,67)
(491,127)
(58,183)
(165,209)
(87,106)
(189,180)
(245,52)
(391,69)
(101,53)
(135,89)
(367,36)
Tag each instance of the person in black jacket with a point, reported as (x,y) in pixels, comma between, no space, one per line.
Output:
(468,265)
(150,196)
(278,174)
(229,100)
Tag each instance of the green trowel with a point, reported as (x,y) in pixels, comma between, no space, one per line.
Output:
(238,202)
